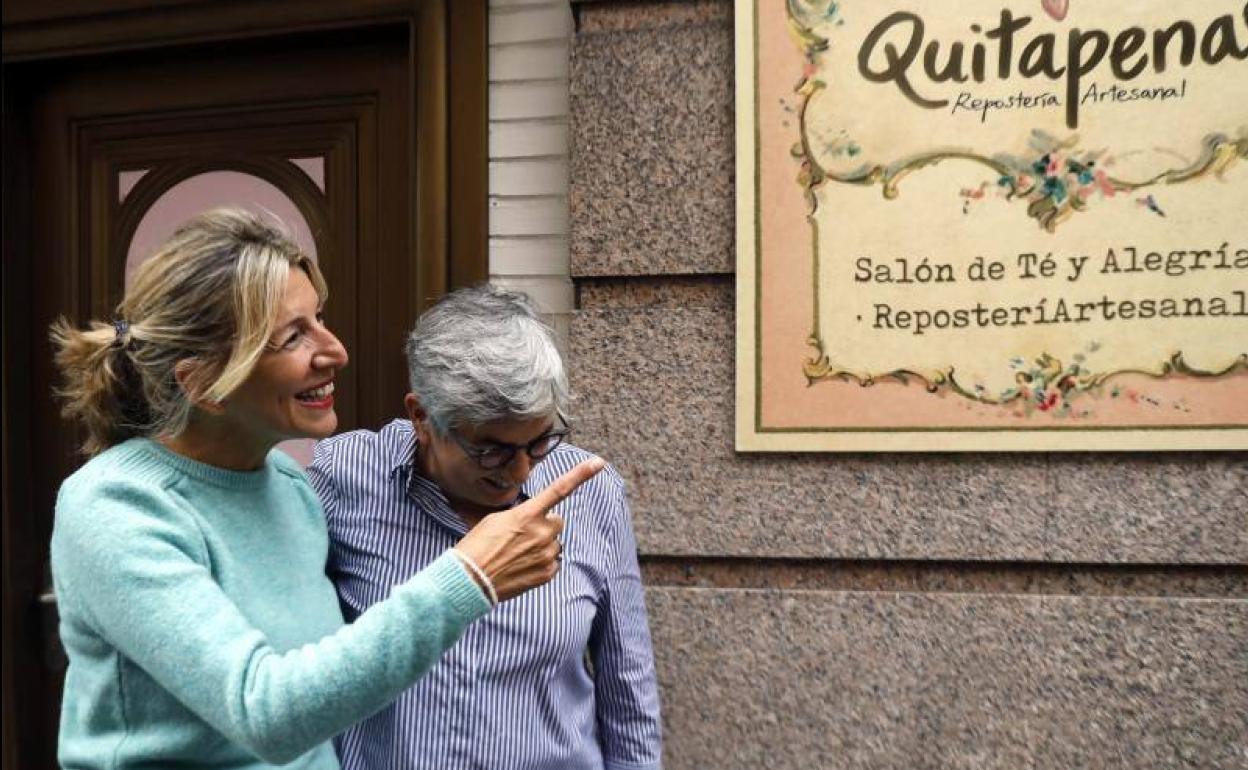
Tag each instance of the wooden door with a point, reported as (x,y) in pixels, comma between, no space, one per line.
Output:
(345,124)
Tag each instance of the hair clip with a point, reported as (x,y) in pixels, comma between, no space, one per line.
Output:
(121,330)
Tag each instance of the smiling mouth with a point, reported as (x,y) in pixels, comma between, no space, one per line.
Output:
(320,397)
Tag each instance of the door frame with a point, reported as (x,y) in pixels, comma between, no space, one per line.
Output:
(447,65)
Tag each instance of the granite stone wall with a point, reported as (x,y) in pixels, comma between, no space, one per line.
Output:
(865,611)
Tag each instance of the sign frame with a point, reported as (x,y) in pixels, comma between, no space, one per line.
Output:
(755,375)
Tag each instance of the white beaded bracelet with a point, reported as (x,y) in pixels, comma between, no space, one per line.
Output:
(484,579)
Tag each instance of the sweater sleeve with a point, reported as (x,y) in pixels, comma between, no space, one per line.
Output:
(129,561)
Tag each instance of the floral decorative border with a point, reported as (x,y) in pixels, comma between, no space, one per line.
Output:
(1055,186)
(1046,380)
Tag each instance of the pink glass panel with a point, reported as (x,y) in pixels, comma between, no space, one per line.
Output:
(301,449)
(210,190)
(126,181)
(314,168)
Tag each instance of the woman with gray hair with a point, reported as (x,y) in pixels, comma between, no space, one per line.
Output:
(562,677)
(188,556)
(483,354)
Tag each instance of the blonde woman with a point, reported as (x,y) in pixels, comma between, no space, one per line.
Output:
(189,557)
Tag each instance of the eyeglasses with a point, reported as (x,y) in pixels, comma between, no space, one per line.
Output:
(497,455)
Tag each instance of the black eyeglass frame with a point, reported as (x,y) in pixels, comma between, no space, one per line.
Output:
(507,452)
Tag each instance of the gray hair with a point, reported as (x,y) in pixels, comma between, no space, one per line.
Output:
(483,354)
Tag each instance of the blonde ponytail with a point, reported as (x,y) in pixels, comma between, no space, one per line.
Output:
(100,389)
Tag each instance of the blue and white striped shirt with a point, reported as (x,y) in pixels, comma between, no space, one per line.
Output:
(560,677)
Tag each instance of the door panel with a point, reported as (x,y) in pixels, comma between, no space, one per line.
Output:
(331,121)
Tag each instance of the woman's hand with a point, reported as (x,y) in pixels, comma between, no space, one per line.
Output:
(518,548)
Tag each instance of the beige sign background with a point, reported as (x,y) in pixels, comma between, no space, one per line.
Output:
(1018,225)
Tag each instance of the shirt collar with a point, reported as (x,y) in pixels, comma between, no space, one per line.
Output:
(401,448)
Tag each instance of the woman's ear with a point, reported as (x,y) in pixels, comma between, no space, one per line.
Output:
(417,414)
(192,377)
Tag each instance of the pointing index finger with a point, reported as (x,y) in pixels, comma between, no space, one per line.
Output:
(541,503)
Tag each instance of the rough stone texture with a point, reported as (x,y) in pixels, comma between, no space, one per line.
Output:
(1195,503)
(621,15)
(1192,581)
(651,188)
(707,291)
(879,681)
(655,396)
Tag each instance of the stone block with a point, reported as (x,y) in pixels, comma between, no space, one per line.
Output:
(896,681)
(652,188)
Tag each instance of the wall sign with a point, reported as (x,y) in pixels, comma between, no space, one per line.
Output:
(992,225)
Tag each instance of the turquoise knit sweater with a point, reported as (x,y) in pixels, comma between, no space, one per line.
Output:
(201,628)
